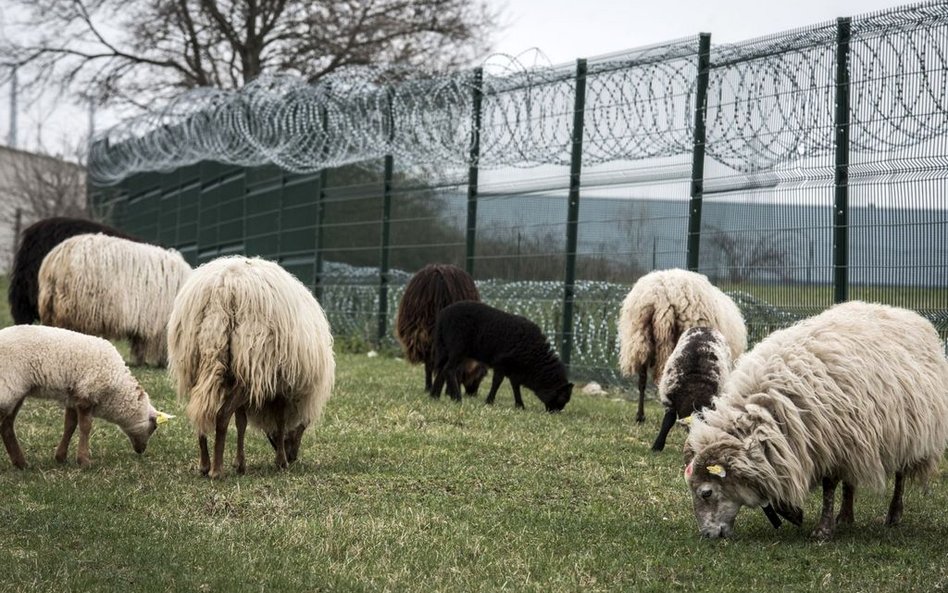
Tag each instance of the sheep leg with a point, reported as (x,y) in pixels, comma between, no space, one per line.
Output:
(667,423)
(240,420)
(205,456)
(846,515)
(454,390)
(824,529)
(518,401)
(72,419)
(495,382)
(138,347)
(9,438)
(84,414)
(643,379)
(428,369)
(895,507)
(438,384)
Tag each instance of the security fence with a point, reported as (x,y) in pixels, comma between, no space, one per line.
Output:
(795,170)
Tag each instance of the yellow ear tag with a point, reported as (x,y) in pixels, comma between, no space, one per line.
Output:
(716,470)
(687,420)
(161,417)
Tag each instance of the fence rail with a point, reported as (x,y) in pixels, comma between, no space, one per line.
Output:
(796,170)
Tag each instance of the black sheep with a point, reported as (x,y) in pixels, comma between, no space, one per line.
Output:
(431,289)
(36,241)
(513,346)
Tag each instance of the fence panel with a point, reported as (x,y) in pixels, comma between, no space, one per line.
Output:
(480,177)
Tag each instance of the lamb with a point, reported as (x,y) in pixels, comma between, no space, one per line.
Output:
(37,241)
(247,339)
(431,289)
(662,305)
(113,288)
(513,346)
(693,375)
(853,394)
(84,373)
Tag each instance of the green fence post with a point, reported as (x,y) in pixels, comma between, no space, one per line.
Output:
(472,169)
(386,219)
(841,201)
(320,214)
(572,216)
(697,156)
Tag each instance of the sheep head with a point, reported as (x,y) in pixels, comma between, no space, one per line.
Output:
(719,490)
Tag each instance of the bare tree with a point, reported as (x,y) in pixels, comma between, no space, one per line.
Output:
(135,51)
(747,252)
(41,186)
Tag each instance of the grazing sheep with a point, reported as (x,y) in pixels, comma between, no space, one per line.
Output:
(113,288)
(431,289)
(84,373)
(658,309)
(513,346)
(853,394)
(35,242)
(693,375)
(246,338)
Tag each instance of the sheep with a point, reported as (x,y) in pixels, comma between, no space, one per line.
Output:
(84,373)
(113,288)
(35,242)
(246,338)
(696,369)
(853,394)
(431,289)
(513,346)
(662,305)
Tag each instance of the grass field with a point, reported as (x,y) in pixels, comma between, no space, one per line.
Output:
(397,492)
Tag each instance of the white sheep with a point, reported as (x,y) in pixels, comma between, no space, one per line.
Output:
(84,373)
(113,288)
(246,338)
(854,394)
(693,376)
(658,309)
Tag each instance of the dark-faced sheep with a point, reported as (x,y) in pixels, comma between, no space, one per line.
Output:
(113,288)
(247,339)
(37,240)
(85,374)
(658,309)
(693,375)
(854,394)
(431,289)
(512,346)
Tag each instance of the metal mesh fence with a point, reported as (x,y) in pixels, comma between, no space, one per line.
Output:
(822,177)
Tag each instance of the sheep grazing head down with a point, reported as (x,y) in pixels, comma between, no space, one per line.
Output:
(556,399)
(291,442)
(145,422)
(718,493)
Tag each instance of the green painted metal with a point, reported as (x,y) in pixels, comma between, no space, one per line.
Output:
(697,158)
(572,215)
(477,100)
(841,178)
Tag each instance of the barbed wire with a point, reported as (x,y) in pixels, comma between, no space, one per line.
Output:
(770,103)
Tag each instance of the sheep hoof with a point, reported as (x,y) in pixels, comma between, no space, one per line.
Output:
(844,519)
(84,462)
(640,419)
(215,474)
(822,533)
(240,468)
(60,456)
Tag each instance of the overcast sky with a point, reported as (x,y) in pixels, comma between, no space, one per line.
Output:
(562,30)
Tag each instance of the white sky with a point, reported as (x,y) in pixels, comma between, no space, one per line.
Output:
(562,30)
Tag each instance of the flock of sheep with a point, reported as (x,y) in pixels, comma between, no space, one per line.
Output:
(853,395)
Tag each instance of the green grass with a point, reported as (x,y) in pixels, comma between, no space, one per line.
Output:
(398,492)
